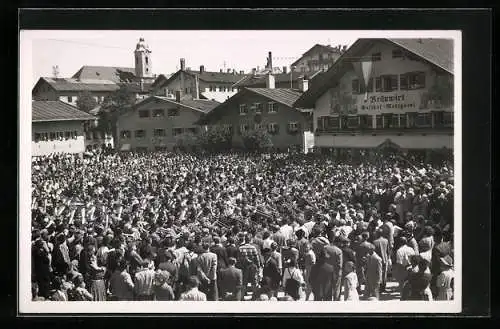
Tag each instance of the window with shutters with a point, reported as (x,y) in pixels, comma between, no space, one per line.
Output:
(177,131)
(293,127)
(273,128)
(379,121)
(243,109)
(143,113)
(424,120)
(139,134)
(158,113)
(378,84)
(125,134)
(272,107)
(244,127)
(159,132)
(353,122)
(412,80)
(389,83)
(258,107)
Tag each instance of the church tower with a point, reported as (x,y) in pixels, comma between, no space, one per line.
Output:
(143,67)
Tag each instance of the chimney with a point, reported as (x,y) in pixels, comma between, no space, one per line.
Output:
(178,96)
(183,64)
(254,71)
(234,72)
(344,48)
(270,61)
(303,84)
(270,81)
(284,69)
(202,68)
(242,72)
(228,70)
(141,84)
(196,91)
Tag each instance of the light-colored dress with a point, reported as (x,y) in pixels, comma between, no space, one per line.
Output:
(350,284)
(443,283)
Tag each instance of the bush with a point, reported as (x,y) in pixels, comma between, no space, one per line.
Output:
(257,140)
(215,139)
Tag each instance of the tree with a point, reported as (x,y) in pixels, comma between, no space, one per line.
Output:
(215,139)
(86,102)
(186,141)
(112,107)
(257,140)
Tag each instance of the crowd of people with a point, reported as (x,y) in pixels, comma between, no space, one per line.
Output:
(181,226)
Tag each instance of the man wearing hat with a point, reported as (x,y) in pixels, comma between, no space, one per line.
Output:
(373,273)
(382,249)
(231,281)
(445,279)
(333,256)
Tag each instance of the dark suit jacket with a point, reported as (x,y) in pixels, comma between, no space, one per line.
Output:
(222,258)
(271,270)
(348,255)
(382,249)
(321,280)
(231,280)
(334,257)
(232,251)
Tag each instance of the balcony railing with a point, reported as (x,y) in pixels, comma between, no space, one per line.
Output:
(385,131)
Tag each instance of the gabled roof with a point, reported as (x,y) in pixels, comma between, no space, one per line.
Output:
(57,111)
(437,52)
(200,105)
(324,48)
(70,84)
(209,77)
(115,74)
(221,77)
(284,96)
(259,80)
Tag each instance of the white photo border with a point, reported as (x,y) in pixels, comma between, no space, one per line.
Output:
(26,306)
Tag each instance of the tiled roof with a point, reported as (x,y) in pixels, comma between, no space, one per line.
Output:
(437,51)
(260,80)
(57,111)
(115,74)
(218,76)
(70,84)
(324,48)
(281,95)
(202,105)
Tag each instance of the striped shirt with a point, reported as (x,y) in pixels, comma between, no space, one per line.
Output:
(144,282)
(194,295)
(249,251)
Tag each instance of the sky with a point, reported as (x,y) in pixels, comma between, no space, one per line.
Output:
(239,50)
